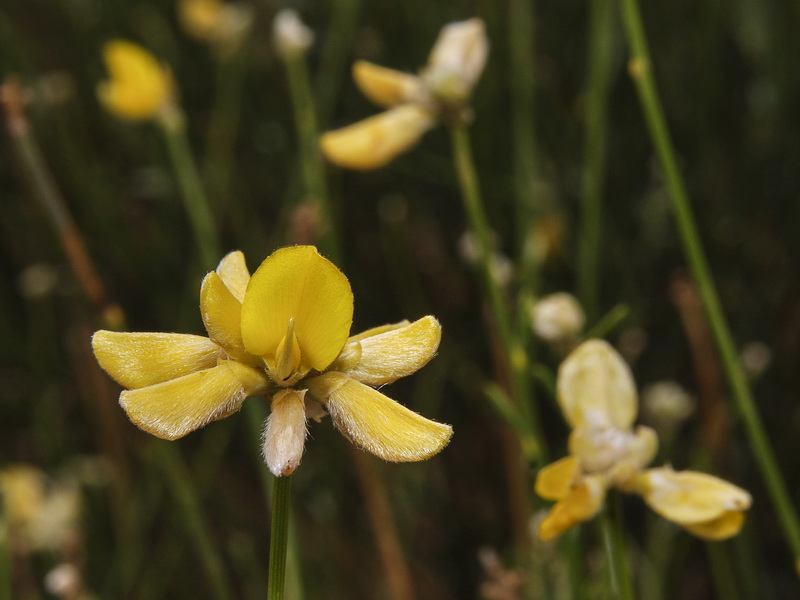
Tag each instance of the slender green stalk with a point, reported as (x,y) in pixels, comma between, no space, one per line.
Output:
(183,489)
(641,71)
(614,543)
(6,566)
(311,163)
(278,537)
(191,188)
(598,78)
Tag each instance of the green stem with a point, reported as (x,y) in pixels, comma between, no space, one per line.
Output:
(614,543)
(598,78)
(640,68)
(191,188)
(279,537)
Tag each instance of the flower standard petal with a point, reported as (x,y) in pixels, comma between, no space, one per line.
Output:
(690,498)
(457,60)
(376,423)
(138,360)
(232,269)
(285,434)
(386,87)
(395,353)
(297,283)
(596,388)
(174,408)
(374,142)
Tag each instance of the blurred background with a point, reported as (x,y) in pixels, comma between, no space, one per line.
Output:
(119,514)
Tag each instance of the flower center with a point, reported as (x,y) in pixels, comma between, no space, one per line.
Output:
(285,368)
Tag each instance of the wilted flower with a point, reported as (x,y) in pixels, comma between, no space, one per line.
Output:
(558,318)
(415,103)
(140,88)
(282,332)
(597,395)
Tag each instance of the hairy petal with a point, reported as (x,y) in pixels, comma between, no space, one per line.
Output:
(376,141)
(376,423)
(138,360)
(174,408)
(222,316)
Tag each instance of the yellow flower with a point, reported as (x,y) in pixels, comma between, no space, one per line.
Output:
(414,103)
(221,24)
(282,332)
(597,395)
(140,88)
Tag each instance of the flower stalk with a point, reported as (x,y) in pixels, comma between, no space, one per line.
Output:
(278,537)
(640,68)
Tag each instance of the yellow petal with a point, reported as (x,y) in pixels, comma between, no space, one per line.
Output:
(386,87)
(554,481)
(377,330)
(296,282)
(174,408)
(374,142)
(688,497)
(232,269)
(596,388)
(222,316)
(138,360)
(285,435)
(139,86)
(582,503)
(200,18)
(376,423)
(390,355)
(723,527)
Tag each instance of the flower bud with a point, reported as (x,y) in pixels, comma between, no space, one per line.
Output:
(557,318)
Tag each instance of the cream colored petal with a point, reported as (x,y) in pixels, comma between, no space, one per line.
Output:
(285,434)
(376,423)
(581,504)
(393,354)
(174,408)
(457,59)
(374,142)
(232,269)
(386,87)
(138,360)
(596,388)
(222,316)
(554,481)
(723,527)
(298,283)
(688,497)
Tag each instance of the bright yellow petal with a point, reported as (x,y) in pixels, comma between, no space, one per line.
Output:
(386,87)
(554,481)
(297,283)
(222,316)
(285,435)
(726,526)
(390,355)
(596,388)
(374,142)
(139,87)
(376,423)
(174,408)
(234,274)
(138,360)
(581,504)
(690,498)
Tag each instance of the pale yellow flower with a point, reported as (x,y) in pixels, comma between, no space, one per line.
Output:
(282,333)
(221,24)
(140,88)
(597,395)
(415,103)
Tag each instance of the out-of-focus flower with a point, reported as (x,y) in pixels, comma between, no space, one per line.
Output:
(140,88)
(597,395)
(289,34)
(756,358)
(501,266)
(667,404)
(282,332)
(39,513)
(415,104)
(221,24)
(558,318)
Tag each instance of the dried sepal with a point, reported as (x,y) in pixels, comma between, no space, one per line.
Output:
(285,433)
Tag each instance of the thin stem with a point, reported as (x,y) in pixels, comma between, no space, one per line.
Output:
(640,68)
(191,188)
(594,152)
(614,543)
(278,537)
